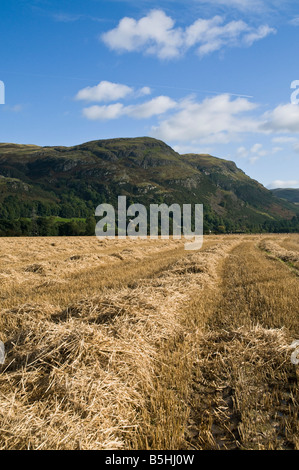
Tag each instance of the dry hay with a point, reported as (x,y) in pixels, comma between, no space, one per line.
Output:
(276,251)
(79,378)
(61,257)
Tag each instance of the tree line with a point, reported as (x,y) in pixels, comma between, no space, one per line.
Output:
(40,226)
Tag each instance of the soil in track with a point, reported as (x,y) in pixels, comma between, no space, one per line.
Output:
(245,392)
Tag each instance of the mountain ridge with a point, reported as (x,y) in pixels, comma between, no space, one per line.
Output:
(69,182)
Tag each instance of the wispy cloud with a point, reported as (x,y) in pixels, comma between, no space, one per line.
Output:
(64,17)
(296,147)
(294,21)
(156,34)
(283,139)
(255,152)
(17,108)
(283,184)
(243,5)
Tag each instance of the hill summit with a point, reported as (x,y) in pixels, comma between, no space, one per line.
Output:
(70,182)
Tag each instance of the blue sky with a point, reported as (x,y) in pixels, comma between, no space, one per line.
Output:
(203,76)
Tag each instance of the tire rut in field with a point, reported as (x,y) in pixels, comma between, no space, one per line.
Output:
(245,394)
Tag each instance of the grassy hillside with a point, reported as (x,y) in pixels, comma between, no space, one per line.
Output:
(69,182)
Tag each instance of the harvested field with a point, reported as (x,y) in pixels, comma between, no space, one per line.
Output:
(140,344)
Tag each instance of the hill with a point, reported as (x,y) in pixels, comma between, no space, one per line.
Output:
(69,182)
(291,195)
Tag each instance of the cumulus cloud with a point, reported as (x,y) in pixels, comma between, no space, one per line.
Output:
(108,91)
(104,91)
(212,34)
(143,91)
(154,107)
(154,32)
(220,119)
(284,118)
(213,119)
(112,111)
(157,34)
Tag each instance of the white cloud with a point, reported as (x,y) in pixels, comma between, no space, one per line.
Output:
(108,91)
(283,184)
(104,91)
(239,4)
(213,34)
(218,138)
(154,107)
(112,111)
(153,32)
(192,148)
(144,91)
(66,17)
(277,149)
(254,159)
(283,140)
(213,119)
(258,150)
(220,119)
(71,18)
(253,154)
(249,6)
(284,118)
(261,33)
(242,152)
(156,34)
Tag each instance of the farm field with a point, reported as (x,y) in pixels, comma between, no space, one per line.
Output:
(139,344)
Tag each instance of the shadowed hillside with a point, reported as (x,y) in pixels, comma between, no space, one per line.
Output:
(70,182)
(291,195)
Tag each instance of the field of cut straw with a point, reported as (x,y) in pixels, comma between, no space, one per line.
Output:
(126,344)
